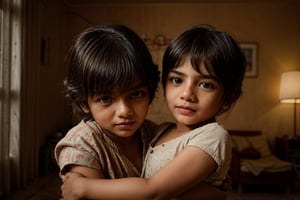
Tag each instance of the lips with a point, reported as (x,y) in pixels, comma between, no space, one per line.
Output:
(185,110)
(125,125)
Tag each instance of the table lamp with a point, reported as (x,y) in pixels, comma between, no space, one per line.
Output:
(290,92)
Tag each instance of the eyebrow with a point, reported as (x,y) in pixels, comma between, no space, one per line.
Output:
(204,76)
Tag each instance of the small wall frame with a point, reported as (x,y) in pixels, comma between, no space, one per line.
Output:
(250,51)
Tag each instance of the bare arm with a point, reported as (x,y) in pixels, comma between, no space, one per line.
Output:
(201,190)
(79,171)
(86,171)
(188,168)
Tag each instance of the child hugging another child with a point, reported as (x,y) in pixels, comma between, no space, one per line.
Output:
(111,81)
(203,71)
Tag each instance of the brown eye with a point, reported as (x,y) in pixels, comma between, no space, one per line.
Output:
(105,100)
(137,94)
(176,80)
(206,85)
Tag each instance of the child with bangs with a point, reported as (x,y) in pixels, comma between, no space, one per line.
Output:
(203,71)
(111,81)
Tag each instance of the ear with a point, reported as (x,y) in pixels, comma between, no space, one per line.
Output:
(85,108)
(225,106)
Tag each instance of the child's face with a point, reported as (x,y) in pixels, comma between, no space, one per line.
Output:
(120,112)
(192,97)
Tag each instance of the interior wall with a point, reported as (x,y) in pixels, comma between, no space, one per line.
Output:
(273,25)
(51,114)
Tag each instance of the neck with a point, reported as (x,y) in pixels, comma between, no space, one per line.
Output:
(131,147)
(184,127)
(121,141)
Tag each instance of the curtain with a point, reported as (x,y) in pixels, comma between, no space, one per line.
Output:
(10,93)
(18,138)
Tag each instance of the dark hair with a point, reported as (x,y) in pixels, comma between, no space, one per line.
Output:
(103,57)
(218,51)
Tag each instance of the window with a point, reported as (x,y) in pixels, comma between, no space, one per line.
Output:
(10,77)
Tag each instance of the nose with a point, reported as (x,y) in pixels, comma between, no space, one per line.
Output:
(188,93)
(124,109)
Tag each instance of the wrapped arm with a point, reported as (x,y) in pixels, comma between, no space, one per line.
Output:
(180,174)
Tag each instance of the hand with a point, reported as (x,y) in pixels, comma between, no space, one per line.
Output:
(69,189)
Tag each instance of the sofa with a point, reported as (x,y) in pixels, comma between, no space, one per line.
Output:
(254,163)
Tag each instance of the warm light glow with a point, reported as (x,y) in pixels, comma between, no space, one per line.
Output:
(290,87)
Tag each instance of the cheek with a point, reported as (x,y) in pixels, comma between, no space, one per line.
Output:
(215,103)
(169,92)
(168,98)
(99,113)
(101,116)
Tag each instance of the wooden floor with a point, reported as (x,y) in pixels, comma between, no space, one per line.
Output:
(48,188)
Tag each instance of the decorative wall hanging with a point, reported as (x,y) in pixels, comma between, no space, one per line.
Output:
(250,50)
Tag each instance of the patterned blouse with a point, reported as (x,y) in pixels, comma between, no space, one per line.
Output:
(87,145)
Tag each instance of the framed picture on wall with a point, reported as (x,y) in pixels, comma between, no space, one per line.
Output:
(250,51)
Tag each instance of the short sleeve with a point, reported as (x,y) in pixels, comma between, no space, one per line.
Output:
(67,153)
(215,141)
(77,147)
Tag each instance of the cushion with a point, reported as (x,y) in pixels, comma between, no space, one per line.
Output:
(258,142)
(240,142)
(267,164)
